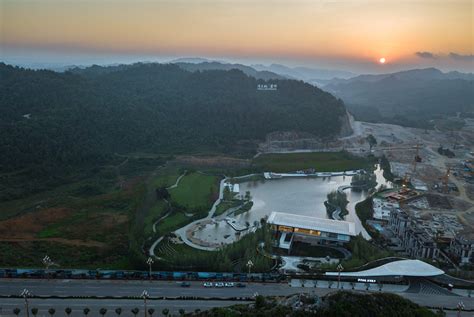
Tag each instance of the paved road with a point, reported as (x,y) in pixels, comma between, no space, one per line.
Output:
(77,306)
(173,289)
(135,288)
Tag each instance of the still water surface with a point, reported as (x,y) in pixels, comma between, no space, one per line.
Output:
(301,196)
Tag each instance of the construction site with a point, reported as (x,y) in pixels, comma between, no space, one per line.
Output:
(434,177)
(430,214)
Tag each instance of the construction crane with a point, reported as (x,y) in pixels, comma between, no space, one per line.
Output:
(417,159)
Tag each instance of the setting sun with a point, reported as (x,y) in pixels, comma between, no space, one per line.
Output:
(382,60)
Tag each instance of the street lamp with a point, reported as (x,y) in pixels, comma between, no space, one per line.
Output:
(145,296)
(460,308)
(339,269)
(149,261)
(47,263)
(250,264)
(25,294)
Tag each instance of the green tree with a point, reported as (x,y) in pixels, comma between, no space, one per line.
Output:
(16,311)
(86,311)
(103,311)
(371,140)
(151,311)
(259,302)
(68,311)
(34,311)
(135,311)
(165,311)
(51,312)
(118,311)
(181,312)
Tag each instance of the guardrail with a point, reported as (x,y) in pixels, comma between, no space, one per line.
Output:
(139,275)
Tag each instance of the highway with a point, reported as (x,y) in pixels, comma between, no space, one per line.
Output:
(197,295)
(135,288)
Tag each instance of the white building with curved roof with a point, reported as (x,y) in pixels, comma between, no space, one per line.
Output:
(412,268)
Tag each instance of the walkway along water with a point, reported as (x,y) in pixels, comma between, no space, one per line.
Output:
(185,232)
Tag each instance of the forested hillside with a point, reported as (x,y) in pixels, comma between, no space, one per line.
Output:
(56,120)
(409,98)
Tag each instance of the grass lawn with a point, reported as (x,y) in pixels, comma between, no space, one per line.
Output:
(158,210)
(225,205)
(166,177)
(180,249)
(196,191)
(174,221)
(321,161)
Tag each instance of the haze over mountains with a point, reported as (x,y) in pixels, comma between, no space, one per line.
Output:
(410,98)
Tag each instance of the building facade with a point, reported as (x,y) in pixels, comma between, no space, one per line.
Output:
(462,247)
(416,242)
(289,228)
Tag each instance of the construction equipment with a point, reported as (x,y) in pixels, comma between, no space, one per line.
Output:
(417,159)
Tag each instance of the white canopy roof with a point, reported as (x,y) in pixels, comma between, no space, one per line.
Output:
(401,267)
(312,223)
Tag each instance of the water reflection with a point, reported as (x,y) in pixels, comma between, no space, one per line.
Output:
(301,196)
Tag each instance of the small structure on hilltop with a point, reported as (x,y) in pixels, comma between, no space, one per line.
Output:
(267,87)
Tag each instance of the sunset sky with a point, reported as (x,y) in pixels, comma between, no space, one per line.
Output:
(345,34)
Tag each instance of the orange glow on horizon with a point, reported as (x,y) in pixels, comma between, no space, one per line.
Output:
(352,29)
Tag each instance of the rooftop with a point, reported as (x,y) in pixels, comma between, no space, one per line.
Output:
(397,268)
(312,223)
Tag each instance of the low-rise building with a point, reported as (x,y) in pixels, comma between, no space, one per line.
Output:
(415,240)
(382,208)
(288,228)
(462,248)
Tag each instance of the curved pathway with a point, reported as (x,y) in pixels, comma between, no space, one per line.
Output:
(182,232)
(177,181)
(159,239)
(336,214)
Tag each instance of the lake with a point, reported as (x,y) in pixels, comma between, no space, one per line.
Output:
(299,195)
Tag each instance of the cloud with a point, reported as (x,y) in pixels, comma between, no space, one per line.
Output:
(425,55)
(460,57)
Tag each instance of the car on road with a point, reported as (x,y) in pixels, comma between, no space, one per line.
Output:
(207,284)
(229,284)
(185,284)
(240,285)
(219,284)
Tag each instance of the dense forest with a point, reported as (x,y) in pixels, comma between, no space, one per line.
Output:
(51,121)
(408,98)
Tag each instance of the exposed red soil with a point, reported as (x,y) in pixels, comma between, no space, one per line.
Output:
(27,226)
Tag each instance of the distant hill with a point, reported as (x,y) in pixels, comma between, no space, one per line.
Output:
(410,98)
(308,74)
(194,60)
(85,115)
(200,66)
